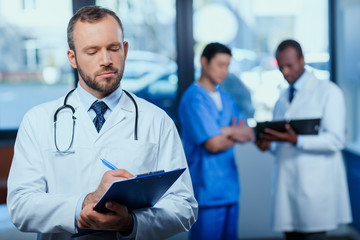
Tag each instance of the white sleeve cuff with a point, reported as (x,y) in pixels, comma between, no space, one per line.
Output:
(300,141)
(78,210)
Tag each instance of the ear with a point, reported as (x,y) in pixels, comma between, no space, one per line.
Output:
(126,48)
(302,60)
(204,62)
(71,57)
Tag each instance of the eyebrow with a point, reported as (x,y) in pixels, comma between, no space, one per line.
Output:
(96,47)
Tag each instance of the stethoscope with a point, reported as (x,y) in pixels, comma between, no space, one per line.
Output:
(68,106)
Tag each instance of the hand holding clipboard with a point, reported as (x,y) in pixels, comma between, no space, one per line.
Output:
(284,131)
(300,126)
(143,191)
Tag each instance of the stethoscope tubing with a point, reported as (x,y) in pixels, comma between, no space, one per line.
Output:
(136,114)
(65,105)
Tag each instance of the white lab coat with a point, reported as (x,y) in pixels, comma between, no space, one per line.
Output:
(44,186)
(310,191)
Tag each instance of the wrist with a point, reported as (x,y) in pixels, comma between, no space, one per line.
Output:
(89,199)
(128,226)
(295,140)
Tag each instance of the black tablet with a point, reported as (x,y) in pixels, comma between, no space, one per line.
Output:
(300,126)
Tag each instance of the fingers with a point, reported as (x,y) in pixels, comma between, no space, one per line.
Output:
(125,219)
(272,132)
(272,135)
(117,208)
(243,134)
(263,145)
(241,123)
(233,122)
(289,129)
(118,219)
(267,137)
(251,133)
(86,218)
(82,223)
(292,134)
(248,136)
(121,173)
(108,177)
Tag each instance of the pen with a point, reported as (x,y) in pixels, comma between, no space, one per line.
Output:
(112,167)
(108,164)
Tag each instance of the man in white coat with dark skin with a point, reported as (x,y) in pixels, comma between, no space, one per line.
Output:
(55,182)
(310,193)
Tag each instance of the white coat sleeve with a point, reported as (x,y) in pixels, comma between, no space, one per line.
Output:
(31,207)
(331,136)
(176,211)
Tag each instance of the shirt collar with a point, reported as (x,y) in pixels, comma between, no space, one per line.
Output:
(300,82)
(87,99)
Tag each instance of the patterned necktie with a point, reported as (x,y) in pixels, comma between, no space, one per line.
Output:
(291,92)
(100,108)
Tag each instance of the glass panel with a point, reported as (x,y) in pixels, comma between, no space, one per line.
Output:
(150,68)
(348,64)
(33,64)
(253,29)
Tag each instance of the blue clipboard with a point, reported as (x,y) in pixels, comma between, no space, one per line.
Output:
(140,192)
(143,191)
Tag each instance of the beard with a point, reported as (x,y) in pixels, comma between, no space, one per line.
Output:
(110,84)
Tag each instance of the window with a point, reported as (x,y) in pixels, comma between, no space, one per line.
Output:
(347,40)
(28,4)
(253,29)
(31,54)
(33,64)
(150,68)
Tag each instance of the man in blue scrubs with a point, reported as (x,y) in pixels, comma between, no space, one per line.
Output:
(211,124)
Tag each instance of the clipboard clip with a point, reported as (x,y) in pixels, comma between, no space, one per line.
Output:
(149,173)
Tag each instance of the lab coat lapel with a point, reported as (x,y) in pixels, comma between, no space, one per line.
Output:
(122,109)
(301,98)
(82,116)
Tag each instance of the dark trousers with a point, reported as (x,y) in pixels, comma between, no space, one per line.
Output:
(305,236)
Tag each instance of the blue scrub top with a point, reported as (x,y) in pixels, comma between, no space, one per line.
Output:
(214,176)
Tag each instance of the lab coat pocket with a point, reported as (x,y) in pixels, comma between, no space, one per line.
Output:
(61,171)
(134,156)
(315,177)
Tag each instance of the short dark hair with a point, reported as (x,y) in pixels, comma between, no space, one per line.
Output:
(289,43)
(89,14)
(213,48)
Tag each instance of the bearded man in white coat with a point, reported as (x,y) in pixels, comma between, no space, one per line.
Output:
(56,179)
(310,192)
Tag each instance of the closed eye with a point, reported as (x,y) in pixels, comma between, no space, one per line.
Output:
(115,48)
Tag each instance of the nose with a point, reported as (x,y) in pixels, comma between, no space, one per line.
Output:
(285,71)
(225,70)
(106,58)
